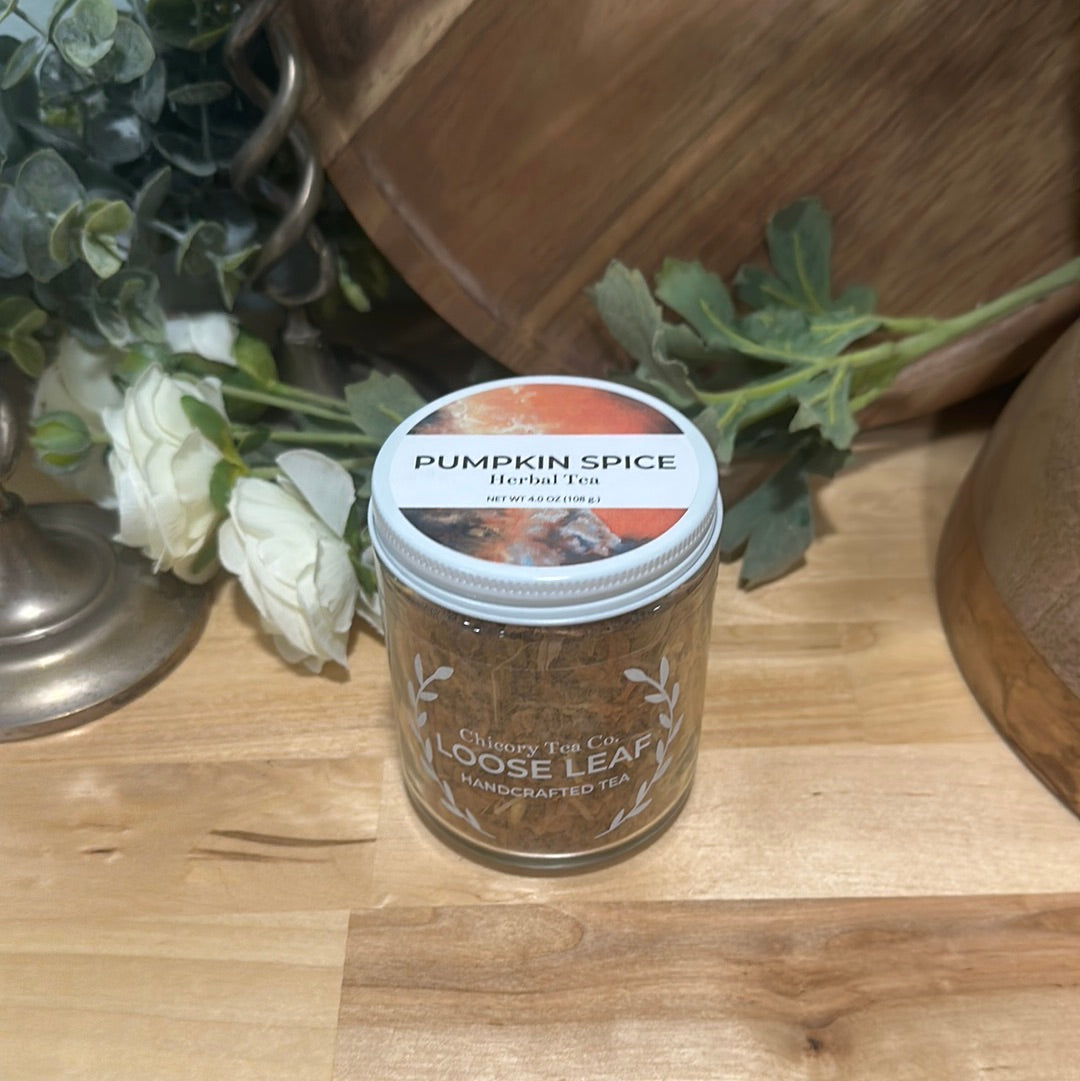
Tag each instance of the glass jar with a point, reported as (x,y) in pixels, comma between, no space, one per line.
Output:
(547,561)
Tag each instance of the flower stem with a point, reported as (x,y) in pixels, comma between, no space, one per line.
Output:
(329,439)
(281,401)
(302,394)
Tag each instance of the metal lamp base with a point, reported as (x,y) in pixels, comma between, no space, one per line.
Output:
(85,624)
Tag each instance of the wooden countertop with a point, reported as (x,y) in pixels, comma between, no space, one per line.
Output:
(223,879)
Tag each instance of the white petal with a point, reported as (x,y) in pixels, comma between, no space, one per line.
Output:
(323,483)
(210,335)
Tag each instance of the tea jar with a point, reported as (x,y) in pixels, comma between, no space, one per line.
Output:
(546,551)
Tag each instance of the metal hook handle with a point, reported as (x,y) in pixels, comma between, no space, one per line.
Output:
(280,124)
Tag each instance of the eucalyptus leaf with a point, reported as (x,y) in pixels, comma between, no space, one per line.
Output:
(21,317)
(379,403)
(202,93)
(195,248)
(22,62)
(13,217)
(185,152)
(83,31)
(28,354)
(229,274)
(46,183)
(62,237)
(149,97)
(119,136)
(131,55)
(125,307)
(105,236)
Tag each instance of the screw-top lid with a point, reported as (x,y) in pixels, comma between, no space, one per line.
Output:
(544,500)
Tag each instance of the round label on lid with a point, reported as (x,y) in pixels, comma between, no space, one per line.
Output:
(544,474)
(544,499)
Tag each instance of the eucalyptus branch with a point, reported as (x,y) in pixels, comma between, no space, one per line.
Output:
(313,438)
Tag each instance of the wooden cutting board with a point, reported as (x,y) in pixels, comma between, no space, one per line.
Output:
(1009,572)
(501,153)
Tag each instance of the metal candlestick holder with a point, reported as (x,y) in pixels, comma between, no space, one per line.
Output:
(85,624)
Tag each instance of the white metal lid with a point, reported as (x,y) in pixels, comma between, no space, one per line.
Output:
(544,500)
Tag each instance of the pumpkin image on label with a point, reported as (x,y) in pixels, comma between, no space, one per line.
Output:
(547,562)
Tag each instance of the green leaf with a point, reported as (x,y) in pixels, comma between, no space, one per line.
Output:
(105,236)
(722,422)
(22,62)
(203,93)
(61,439)
(21,317)
(772,527)
(84,31)
(800,249)
(229,274)
(20,320)
(149,96)
(254,358)
(6,8)
(46,183)
(185,152)
(131,55)
(689,289)
(636,322)
(13,217)
(208,421)
(195,25)
(380,403)
(195,248)
(222,479)
(125,307)
(789,336)
(28,354)
(351,289)
(207,554)
(138,357)
(824,403)
(62,237)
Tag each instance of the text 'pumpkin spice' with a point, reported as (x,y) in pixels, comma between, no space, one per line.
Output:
(547,562)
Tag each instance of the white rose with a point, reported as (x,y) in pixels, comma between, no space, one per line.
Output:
(161,465)
(211,336)
(293,566)
(80,381)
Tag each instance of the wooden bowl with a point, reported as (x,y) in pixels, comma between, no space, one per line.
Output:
(1008,573)
(500,153)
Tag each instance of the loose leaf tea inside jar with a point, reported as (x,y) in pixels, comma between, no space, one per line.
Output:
(547,557)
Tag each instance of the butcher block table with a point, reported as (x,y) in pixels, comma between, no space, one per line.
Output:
(223,879)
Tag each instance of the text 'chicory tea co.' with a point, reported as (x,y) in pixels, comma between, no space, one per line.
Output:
(547,560)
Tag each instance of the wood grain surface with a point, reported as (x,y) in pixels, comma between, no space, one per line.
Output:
(223,879)
(713,989)
(502,153)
